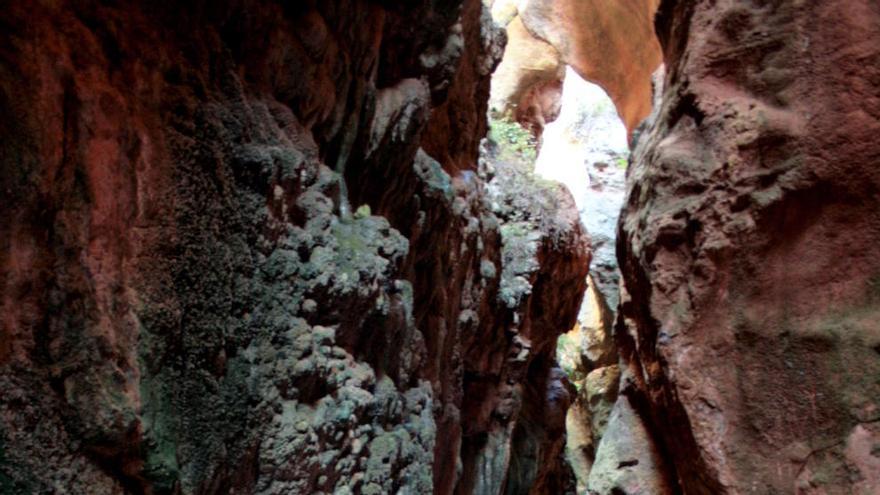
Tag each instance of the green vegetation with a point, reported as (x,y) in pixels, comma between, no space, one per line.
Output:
(515,143)
(567,353)
(622,163)
(363,211)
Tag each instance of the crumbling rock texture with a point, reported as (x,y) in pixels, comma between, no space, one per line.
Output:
(750,249)
(247,248)
(541,241)
(609,43)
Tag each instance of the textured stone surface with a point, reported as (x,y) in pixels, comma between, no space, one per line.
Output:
(542,243)
(586,149)
(246,248)
(751,248)
(587,420)
(627,462)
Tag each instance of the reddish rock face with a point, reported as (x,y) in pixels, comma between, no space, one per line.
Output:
(750,248)
(246,247)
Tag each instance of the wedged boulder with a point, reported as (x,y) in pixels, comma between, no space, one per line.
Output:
(609,43)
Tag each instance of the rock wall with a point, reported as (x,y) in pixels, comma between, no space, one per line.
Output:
(246,247)
(750,251)
(586,149)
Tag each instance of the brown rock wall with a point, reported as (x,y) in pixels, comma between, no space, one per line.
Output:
(749,247)
(246,248)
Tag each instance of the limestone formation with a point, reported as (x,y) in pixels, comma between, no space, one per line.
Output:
(627,461)
(609,43)
(586,149)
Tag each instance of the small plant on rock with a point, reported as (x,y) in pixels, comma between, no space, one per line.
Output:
(514,142)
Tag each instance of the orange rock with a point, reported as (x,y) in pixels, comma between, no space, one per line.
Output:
(609,43)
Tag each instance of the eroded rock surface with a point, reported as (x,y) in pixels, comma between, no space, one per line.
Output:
(542,243)
(246,248)
(586,149)
(751,248)
(609,43)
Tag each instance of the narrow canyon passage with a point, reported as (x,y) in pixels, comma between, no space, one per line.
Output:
(440,247)
(561,128)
